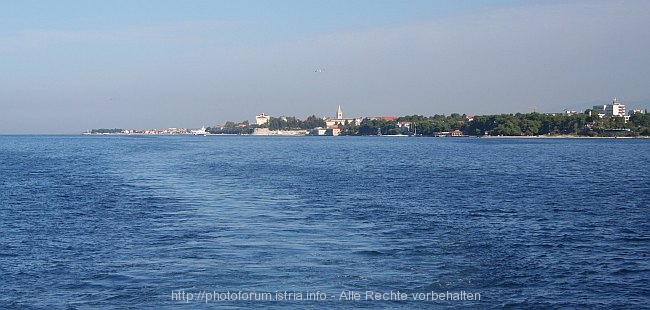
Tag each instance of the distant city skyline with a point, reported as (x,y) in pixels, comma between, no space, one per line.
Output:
(68,65)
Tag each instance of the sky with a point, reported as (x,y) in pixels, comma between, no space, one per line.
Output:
(67,66)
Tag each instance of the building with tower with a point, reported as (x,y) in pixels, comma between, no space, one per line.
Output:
(340,120)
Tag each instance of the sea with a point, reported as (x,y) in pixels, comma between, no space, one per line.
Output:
(239,222)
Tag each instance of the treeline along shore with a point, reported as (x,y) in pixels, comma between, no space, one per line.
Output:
(528,124)
(587,124)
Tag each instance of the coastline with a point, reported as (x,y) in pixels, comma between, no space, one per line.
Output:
(275,134)
(302,134)
(560,137)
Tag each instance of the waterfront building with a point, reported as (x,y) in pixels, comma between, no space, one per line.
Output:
(334,131)
(262,119)
(340,120)
(318,131)
(456,133)
(197,132)
(405,127)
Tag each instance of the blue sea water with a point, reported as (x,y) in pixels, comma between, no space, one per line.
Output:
(141,222)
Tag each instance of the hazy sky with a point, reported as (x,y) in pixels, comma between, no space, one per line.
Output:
(68,66)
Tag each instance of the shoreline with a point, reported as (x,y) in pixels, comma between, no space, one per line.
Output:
(560,137)
(389,136)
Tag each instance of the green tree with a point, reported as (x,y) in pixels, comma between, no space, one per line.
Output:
(312,122)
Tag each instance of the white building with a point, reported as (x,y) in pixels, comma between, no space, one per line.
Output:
(614,109)
(198,132)
(405,127)
(334,131)
(261,119)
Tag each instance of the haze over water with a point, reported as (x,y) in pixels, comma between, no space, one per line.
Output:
(71,65)
(119,222)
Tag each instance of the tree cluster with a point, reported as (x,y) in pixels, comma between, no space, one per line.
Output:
(528,124)
(292,123)
(231,128)
(640,123)
(107,130)
(274,123)
(533,124)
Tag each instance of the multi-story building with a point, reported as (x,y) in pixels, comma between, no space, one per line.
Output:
(614,109)
(261,119)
